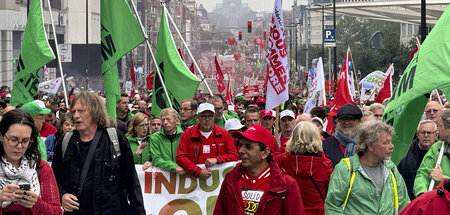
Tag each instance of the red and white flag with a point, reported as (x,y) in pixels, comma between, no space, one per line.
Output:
(219,76)
(342,95)
(277,62)
(386,91)
(228,96)
(46,75)
(51,86)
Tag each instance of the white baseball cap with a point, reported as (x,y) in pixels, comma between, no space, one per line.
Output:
(317,119)
(204,107)
(233,124)
(287,113)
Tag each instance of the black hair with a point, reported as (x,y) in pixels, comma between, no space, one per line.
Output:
(19,116)
(262,147)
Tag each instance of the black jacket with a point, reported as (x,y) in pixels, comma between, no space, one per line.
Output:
(409,165)
(110,182)
(332,149)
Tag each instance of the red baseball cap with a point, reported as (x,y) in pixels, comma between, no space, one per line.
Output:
(261,99)
(268,113)
(3,95)
(259,134)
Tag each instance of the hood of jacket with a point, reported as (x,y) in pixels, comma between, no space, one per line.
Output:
(303,165)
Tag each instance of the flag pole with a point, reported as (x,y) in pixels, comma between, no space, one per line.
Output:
(441,154)
(435,90)
(151,53)
(187,48)
(353,66)
(57,54)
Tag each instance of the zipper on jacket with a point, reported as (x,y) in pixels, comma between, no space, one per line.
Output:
(237,199)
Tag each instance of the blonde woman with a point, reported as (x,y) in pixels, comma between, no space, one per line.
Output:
(139,137)
(305,161)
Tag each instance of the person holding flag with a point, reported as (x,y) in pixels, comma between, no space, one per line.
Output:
(430,166)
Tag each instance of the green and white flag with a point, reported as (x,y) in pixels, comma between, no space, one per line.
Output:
(180,83)
(121,33)
(34,54)
(428,70)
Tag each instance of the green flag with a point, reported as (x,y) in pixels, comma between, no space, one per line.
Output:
(181,84)
(34,54)
(428,70)
(120,33)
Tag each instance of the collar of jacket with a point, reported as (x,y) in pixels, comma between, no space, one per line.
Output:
(195,131)
(276,180)
(163,133)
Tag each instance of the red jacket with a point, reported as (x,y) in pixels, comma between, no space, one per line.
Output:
(283,196)
(436,201)
(47,129)
(302,168)
(192,145)
(48,201)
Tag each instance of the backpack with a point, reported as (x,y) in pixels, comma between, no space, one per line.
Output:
(112,133)
(349,162)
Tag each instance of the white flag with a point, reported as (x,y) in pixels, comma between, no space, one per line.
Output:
(51,86)
(317,85)
(277,62)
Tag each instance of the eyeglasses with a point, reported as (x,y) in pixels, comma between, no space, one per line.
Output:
(219,108)
(158,124)
(432,110)
(143,125)
(427,132)
(206,116)
(14,141)
(185,109)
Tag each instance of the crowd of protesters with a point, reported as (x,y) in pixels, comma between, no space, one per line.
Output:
(293,167)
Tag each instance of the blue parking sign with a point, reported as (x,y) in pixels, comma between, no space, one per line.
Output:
(329,37)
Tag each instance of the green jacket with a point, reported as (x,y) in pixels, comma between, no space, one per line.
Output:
(42,148)
(164,150)
(364,197)
(185,125)
(422,181)
(145,156)
(221,121)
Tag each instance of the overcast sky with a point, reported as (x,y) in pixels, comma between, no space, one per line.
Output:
(255,5)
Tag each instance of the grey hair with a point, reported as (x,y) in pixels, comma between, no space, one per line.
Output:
(427,121)
(169,111)
(376,106)
(369,133)
(367,113)
(445,115)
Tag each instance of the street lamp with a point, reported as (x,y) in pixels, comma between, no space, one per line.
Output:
(323,25)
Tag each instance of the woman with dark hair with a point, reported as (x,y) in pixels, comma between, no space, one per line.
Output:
(27,183)
(308,165)
(63,126)
(138,136)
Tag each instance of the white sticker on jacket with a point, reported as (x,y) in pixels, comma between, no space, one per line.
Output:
(206,149)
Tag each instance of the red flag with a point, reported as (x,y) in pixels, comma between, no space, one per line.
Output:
(386,91)
(228,95)
(149,79)
(133,77)
(342,95)
(192,68)
(179,52)
(411,56)
(219,76)
(133,92)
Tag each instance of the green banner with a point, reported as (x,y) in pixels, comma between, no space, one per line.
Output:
(34,54)
(121,33)
(181,84)
(428,70)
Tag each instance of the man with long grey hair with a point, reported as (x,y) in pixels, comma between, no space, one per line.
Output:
(368,182)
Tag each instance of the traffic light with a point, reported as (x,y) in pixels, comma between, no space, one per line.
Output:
(240,35)
(249,25)
(264,35)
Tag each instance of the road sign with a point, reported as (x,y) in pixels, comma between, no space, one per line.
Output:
(329,37)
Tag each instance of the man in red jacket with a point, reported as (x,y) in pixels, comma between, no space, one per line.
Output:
(205,143)
(257,185)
